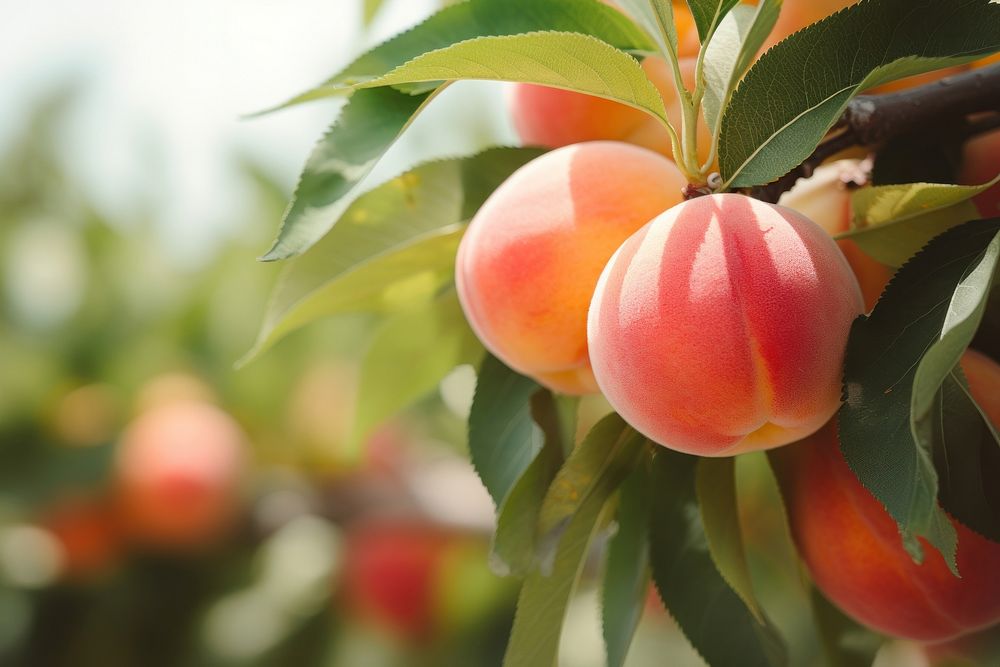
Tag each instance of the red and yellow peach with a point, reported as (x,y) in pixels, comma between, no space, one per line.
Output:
(720,327)
(528,264)
(178,473)
(854,551)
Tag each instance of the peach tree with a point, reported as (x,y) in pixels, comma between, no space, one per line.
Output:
(659,138)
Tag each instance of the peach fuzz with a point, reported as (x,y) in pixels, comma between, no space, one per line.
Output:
(553,117)
(528,264)
(981,164)
(178,474)
(825,198)
(854,551)
(720,327)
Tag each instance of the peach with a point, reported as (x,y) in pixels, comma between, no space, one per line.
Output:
(825,198)
(720,327)
(854,551)
(178,474)
(553,117)
(528,264)
(980,164)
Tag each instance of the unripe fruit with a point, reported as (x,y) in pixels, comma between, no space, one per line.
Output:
(854,551)
(720,327)
(528,264)
(825,198)
(981,164)
(178,475)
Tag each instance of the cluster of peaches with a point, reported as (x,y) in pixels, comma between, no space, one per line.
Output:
(715,326)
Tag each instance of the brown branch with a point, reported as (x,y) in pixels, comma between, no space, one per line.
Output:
(870,120)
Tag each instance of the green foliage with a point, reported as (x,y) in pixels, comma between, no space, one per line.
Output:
(626,573)
(367,126)
(845,643)
(708,14)
(897,359)
(733,48)
(594,469)
(806,81)
(395,244)
(656,17)
(560,59)
(484,18)
(892,222)
(408,357)
(517,516)
(503,437)
(690,585)
(715,487)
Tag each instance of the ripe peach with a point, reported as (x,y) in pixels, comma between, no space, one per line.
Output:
(980,164)
(855,554)
(529,261)
(825,198)
(553,117)
(178,474)
(720,327)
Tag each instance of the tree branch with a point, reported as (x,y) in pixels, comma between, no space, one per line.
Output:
(870,120)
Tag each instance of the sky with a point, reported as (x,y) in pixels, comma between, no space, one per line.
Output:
(165,87)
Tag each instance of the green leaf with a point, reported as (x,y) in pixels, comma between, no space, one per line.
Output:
(715,486)
(541,606)
(732,49)
(394,244)
(626,573)
(966,455)
(482,18)
(845,643)
(708,14)
(409,355)
(595,468)
(691,587)
(931,304)
(503,438)
(368,125)
(892,222)
(513,549)
(806,81)
(656,17)
(559,59)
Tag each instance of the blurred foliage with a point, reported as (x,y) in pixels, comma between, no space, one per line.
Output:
(97,325)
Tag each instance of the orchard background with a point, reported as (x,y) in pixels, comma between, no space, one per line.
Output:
(423,431)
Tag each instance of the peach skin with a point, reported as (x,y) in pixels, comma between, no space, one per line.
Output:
(553,117)
(720,327)
(527,266)
(854,551)
(981,164)
(825,198)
